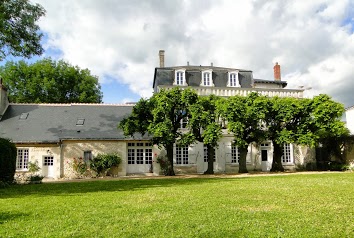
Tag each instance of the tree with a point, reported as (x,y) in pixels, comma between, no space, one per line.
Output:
(287,120)
(48,81)
(244,116)
(205,125)
(7,160)
(301,121)
(19,33)
(160,117)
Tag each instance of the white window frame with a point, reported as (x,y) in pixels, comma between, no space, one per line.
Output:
(208,83)
(288,156)
(181,155)
(233,81)
(235,154)
(48,160)
(139,153)
(180,77)
(22,159)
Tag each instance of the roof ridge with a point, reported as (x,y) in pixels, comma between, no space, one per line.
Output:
(74,104)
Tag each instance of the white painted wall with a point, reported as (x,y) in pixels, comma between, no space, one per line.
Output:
(349,114)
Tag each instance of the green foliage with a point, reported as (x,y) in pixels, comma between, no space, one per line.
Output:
(33,167)
(49,81)
(103,162)
(160,117)
(8,154)
(244,117)
(19,33)
(35,178)
(80,166)
(205,125)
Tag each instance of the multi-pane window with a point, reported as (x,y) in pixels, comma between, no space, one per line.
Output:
(139,153)
(22,159)
(235,155)
(181,154)
(183,123)
(206,79)
(233,80)
(180,78)
(87,156)
(286,158)
(48,161)
(206,154)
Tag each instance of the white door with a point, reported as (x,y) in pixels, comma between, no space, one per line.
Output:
(139,158)
(48,166)
(265,160)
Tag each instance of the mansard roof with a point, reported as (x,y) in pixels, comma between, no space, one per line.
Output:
(165,76)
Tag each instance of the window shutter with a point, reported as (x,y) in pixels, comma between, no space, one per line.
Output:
(227,150)
(192,154)
(249,156)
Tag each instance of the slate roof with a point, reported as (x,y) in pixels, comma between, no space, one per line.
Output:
(165,76)
(50,123)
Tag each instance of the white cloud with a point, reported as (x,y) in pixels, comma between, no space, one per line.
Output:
(313,41)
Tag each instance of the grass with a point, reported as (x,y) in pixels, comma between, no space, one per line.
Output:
(297,205)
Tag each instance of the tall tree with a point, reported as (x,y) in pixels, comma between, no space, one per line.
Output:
(204,123)
(161,117)
(19,33)
(302,121)
(48,81)
(244,116)
(287,121)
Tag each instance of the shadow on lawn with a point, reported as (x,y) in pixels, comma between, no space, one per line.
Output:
(7,216)
(74,188)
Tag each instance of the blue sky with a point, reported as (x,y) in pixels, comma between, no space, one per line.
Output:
(118,41)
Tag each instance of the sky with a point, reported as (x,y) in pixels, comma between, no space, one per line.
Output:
(119,40)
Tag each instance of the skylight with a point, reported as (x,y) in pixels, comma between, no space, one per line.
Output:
(23,116)
(80,121)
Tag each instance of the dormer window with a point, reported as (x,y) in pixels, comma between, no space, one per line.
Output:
(180,77)
(207,79)
(233,79)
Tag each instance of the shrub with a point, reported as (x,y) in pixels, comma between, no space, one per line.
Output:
(80,166)
(7,160)
(34,177)
(33,167)
(103,162)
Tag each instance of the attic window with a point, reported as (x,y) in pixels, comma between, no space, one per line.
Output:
(207,79)
(80,121)
(233,79)
(24,116)
(180,78)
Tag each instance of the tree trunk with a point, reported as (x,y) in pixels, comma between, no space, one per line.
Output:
(169,150)
(211,153)
(277,165)
(242,168)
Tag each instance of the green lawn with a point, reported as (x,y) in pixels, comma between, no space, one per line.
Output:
(297,205)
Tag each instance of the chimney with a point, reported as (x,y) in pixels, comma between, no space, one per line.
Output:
(211,64)
(4,101)
(162,58)
(187,63)
(277,75)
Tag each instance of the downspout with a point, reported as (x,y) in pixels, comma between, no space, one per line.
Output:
(61,159)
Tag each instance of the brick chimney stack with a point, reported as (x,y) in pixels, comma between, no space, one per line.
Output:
(162,58)
(277,75)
